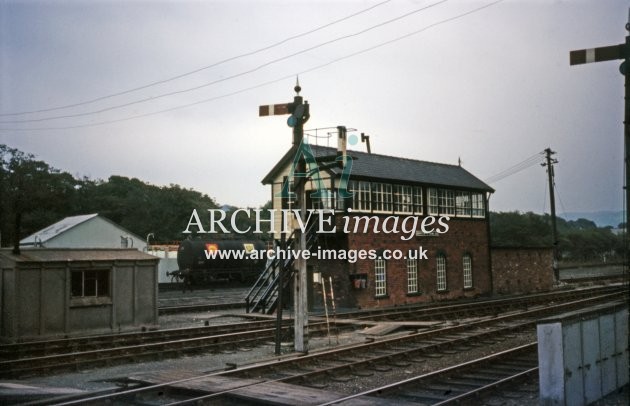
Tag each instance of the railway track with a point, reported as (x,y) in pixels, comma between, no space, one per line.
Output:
(465,382)
(356,361)
(172,301)
(71,354)
(470,309)
(200,307)
(402,349)
(32,358)
(596,279)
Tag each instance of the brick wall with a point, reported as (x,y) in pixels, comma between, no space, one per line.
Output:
(522,270)
(465,236)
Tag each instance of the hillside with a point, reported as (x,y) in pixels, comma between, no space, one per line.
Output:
(601,218)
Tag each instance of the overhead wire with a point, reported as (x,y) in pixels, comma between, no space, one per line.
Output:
(512,170)
(192,72)
(230,77)
(564,209)
(331,62)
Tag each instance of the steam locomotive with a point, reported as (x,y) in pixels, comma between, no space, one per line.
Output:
(198,267)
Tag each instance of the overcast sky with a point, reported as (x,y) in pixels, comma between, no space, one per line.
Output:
(493,87)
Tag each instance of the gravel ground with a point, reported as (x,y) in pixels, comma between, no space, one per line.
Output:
(220,294)
(431,364)
(103,378)
(198,319)
(620,397)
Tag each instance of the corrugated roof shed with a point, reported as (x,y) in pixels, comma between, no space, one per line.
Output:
(389,168)
(74,254)
(54,230)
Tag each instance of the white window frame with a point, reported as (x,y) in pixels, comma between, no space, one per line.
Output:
(440,261)
(417,200)
(467,267)
(364,197)
(325,203)
(381,197)
(403,199)
(361,195)
(433,206)
(446,200)
(478,205)
(463,204)
(380,277)
(412,276)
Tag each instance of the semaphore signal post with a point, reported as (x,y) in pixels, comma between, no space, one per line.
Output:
(609,53)
(299,110)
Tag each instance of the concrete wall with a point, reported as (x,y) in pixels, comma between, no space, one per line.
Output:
(95,233)
(168,260)
(583,355)
(36,300)
(166,265)
(521,270)
(7,314)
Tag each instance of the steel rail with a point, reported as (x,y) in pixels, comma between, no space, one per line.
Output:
(199,307)
(51,347)
(485,306)
(399,386)
(161,349)
(335,353)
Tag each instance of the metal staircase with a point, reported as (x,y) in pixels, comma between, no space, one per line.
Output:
(263,296)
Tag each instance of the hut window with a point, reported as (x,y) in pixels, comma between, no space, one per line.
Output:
(90,283)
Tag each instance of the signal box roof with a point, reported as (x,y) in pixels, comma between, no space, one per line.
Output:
(391,169)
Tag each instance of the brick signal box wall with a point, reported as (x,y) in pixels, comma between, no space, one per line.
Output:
(465,236)
(522,270)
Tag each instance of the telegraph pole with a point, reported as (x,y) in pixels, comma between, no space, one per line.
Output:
(552,198)
(609,53)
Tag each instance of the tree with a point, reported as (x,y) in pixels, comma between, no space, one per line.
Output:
(579,240)
(33,195)
(143,208)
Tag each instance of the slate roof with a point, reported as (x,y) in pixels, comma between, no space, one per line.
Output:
(75,254)
(390,168)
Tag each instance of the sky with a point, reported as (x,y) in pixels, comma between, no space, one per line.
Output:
(106,88)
